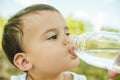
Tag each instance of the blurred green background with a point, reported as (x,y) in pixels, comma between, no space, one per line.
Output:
(76,27)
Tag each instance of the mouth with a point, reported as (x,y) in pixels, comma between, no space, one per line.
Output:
(72,53)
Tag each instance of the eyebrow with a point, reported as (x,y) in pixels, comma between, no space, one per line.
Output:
(66,28)
(54,29)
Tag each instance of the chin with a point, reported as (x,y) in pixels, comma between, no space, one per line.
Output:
(75,63)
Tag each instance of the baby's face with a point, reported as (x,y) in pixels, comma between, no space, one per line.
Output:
(46,42)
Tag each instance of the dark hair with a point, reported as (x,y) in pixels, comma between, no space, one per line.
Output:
(13,33)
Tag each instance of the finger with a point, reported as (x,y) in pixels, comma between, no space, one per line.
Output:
(112,74)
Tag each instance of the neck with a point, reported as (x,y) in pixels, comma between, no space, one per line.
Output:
(60,76)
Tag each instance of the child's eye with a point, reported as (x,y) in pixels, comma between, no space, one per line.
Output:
(67,34)
(53,37)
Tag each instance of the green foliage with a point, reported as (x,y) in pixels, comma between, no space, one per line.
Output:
(75,26)
(2,22)
(110,29)
(92,72)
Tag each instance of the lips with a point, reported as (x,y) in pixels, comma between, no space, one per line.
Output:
(71,52)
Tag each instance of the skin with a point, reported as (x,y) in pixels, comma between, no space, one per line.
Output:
(48,52)
(112,74)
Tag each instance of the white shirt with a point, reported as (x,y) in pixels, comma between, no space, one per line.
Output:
(75,77)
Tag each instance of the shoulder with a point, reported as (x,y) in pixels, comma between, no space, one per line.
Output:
(19,77)
(77,76)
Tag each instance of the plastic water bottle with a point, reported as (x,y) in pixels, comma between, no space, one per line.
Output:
(100,49)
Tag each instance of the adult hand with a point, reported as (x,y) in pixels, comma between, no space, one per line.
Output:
(112,74)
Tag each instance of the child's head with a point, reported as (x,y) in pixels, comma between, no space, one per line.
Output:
(37,39)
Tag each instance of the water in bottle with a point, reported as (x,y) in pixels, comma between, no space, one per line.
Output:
(100,49)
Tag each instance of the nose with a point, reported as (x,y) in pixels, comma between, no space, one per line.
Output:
(66,40)
(67,43)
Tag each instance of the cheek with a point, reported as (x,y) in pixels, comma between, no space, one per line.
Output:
(53,53)
(48,53)
(54,50)
(47,58)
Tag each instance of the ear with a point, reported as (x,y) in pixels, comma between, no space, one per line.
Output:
(22,62)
